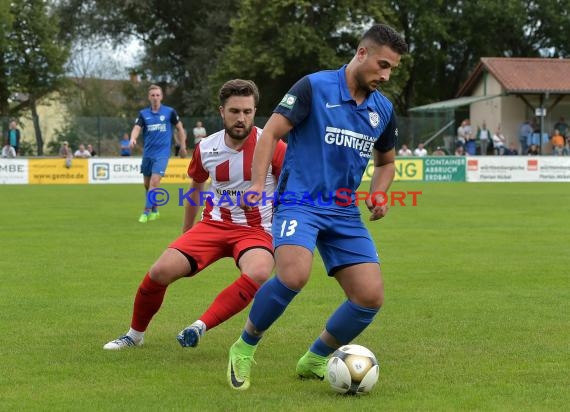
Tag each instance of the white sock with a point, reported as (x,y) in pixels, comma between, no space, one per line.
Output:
(135,335)
(200,325)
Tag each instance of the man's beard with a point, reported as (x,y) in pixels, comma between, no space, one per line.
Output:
(238,135)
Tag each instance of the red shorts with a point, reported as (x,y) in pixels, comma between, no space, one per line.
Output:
(210,241)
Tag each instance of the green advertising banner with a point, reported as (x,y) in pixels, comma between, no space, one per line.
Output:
(444,169)
(426,169)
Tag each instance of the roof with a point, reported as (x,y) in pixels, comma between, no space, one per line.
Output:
(523,75)
(451,104)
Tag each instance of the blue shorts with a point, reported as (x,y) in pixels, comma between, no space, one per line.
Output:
(341,239)
(154,166)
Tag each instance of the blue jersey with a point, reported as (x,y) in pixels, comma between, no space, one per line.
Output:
(157,130)
(332,139)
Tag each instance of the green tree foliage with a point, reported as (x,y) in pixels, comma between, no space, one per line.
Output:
(6,21)
(35,60)
(289,39)
(182,39)
(196,45)
(448,38)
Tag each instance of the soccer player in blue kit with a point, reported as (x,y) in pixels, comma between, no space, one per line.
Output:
(156,123)
(336,120)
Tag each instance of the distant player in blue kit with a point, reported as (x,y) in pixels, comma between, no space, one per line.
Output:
(156,123)
(337,121)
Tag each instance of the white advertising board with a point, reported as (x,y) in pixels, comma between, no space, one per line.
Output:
(14,171)
(518,169)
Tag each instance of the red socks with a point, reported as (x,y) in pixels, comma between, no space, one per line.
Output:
(230,301)
(148,299)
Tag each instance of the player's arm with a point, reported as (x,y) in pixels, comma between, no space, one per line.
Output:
(134,135)
(199,176)
(278,157)
(384,153)
(382,178)
(181,138)
(277,126)
(192,207)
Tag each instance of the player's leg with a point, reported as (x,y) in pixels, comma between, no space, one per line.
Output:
(153,211)
(146,170)
(294,234)
(252,251)
(159,166)
(170,266)
(350,256)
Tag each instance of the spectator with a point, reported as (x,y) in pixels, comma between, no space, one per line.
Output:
(536,139)
(65,152)
(8,150)
(533,150)
(499,142)
(404,151)
(91,151)
(439,152)
(484,136)
(470,139)
(464,132)
(525,133)
(199,133)
(562,126)
(512,150)
(14,136)
(420,151)
(82,152)
(558,143)
(459,151)
(125,147)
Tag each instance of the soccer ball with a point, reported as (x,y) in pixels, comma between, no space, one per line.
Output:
(352,370)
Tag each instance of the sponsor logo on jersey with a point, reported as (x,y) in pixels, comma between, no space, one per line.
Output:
(156,127)
(348,138)
(288,101)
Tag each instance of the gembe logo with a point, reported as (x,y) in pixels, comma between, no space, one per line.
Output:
(288,101)
(101,171)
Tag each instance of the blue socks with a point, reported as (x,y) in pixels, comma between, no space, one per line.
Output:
(348,321)
(269,303)
(148,205)
(271,300)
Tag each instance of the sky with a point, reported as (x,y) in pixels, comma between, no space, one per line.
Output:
(103,60)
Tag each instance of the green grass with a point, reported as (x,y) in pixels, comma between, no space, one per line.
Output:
(476,315)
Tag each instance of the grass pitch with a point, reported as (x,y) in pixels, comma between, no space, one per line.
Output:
(476,315)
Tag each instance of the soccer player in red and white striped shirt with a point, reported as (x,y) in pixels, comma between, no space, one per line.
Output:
(225,230)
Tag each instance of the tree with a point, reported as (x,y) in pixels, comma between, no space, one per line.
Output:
(35,58)
(290,39)
(182,40)
(197,45)
(448,38)
(6,21)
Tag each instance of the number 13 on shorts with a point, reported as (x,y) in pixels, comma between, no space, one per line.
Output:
(288,228)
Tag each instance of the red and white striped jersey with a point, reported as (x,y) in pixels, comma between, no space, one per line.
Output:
(230,171)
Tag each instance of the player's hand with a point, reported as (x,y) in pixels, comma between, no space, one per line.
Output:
(132,144)
(378,207)
(251,198)
(183,152)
